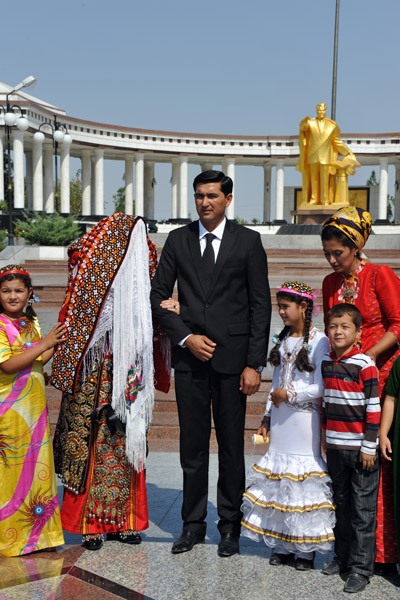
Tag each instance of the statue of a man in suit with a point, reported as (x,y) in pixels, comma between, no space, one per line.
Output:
(319,145)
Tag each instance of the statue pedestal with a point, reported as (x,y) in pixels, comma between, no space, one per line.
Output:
(312,216)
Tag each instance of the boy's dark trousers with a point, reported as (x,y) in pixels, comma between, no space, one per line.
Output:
(355,493)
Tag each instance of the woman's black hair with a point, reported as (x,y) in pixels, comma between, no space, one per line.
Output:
(30,313)
(331,232)
(302,362)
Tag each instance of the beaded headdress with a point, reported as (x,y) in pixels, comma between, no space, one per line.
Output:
(13,269)
(353,222)
(301,289)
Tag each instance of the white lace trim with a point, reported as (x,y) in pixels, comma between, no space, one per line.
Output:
(132,343)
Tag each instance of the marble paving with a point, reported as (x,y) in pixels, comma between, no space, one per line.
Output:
(150,572)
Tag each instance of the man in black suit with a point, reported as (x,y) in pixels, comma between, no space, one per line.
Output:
(219,342)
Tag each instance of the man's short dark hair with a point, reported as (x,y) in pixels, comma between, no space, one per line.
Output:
(214,177)
(339,310)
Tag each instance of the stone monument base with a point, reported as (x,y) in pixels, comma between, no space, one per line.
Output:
(313,216)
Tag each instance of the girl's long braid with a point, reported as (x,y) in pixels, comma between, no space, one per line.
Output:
(30,313)
(302,362)
(274,357)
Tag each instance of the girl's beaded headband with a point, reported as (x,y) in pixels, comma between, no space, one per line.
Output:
(11,269)
(301,289)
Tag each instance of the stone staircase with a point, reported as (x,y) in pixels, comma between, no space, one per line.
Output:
(163,435)
(50,278)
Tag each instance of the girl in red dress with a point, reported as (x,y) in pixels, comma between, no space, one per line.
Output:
(375,290)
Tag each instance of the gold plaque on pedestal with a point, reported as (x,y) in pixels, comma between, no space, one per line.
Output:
(314,214)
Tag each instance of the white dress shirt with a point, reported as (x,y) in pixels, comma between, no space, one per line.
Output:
(216,243)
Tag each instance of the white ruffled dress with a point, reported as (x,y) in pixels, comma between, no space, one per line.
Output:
(288,502)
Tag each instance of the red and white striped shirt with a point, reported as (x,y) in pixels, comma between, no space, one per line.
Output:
(351,409)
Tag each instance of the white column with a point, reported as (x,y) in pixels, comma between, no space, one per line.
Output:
(149,190)
(383,189)
(28,180)
(92,184)
(86,187)
(48,178)
(99,181)
(129,184)
(280,183)
(174,188)
(18,151)
(37,167)
(65,207)
(139,184)
(267,193)
(397,193)
(183,187)
(2,166)
(229,169)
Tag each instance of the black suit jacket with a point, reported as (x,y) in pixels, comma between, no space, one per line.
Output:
(235,313)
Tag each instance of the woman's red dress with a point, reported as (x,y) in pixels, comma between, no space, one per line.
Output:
(379,303)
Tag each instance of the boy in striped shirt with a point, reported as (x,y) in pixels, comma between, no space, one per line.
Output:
(350,424)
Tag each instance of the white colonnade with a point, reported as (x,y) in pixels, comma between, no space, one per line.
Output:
(139,168)
(141,150)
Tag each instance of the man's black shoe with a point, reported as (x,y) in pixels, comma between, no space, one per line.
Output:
(228,545)
(355,583)
(186,541)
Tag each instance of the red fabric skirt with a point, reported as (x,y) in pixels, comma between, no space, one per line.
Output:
(75,510)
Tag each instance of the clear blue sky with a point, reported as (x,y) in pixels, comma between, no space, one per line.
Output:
(222,66)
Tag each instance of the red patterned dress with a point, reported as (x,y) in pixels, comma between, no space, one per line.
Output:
(377,295)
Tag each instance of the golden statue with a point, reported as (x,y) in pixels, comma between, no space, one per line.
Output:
(319,145)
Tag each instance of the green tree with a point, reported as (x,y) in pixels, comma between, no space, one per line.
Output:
(254,220)
(241,221)
(119,200)
(48,230)
(372,179)
(3,238)
(75,193)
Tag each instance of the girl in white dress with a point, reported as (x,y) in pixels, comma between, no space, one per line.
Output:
(289,502)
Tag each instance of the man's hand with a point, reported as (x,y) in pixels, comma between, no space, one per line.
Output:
(278,396)
(201,346)
(367,460)
(249,381)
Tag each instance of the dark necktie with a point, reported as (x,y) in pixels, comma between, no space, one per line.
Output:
(208,259)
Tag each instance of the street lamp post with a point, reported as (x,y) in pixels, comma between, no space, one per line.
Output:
(13,115)
(60,133)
